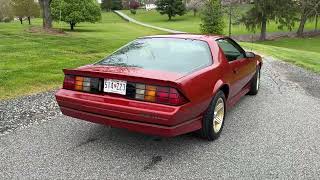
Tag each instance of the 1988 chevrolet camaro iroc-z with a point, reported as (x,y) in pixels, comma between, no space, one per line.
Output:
(164,85)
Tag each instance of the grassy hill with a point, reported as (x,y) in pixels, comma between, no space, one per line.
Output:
(191,23)
(33,62)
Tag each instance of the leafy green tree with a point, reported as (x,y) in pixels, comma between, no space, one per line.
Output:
(106,5)
(6,13)
(212,18)
(316,17)
(307,9)
(171,7)
(25,8)
(282,11)
(75,11)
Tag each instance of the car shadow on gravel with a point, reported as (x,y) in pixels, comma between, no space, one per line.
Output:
(154,151)
(125,143)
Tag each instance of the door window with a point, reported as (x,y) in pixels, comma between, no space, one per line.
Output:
(231,50)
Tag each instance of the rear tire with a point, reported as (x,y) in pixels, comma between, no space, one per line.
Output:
(213,119)
(255,83)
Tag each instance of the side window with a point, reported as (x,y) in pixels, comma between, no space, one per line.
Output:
(230,49)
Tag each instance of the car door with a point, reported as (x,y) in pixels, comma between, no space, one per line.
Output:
(239,66)
(247,65)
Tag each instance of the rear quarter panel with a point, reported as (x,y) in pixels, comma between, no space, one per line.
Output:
(201,86)
(259,60)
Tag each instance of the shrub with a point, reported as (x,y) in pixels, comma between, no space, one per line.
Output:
(6,19)
(134,5)
(133,11)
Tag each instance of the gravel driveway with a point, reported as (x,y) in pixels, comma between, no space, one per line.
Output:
(275,134)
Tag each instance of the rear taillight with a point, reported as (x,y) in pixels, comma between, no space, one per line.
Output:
(81,83)
(69,82)
(157,94)
(143,92)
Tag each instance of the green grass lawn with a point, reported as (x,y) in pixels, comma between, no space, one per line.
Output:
(304,52)
(191,23)
(33,62)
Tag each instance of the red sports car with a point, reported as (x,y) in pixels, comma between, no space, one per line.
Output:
(164,85)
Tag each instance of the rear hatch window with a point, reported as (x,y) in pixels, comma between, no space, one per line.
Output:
(163,54)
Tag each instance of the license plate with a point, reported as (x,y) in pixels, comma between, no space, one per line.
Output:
(115,86)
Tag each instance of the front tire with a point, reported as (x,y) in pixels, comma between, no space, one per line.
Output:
(255,83)
(213,119)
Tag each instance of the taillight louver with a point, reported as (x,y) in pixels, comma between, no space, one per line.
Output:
(138,91)
(82,83)
(157,94)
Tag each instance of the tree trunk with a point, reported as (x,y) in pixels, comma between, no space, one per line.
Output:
(72,25)
(316,24)
(46,13)
(263,34)
(301,26)
(230,20)
(29,19)
(169,15)
(194,12)
(20,19)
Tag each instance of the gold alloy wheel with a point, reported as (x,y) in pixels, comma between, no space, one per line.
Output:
(218,117)
(258,80)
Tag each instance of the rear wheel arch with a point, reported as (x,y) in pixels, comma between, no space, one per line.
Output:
(225,89)
(221,86)
(259,62)
(259,65)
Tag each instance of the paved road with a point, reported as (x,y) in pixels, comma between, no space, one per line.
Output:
(127,18)
(275,134)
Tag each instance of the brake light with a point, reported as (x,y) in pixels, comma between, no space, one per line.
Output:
(69,82)
(81,83)
(157,94)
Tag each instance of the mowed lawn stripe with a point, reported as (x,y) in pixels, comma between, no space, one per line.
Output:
(191,23)
(33,62)
(304,52)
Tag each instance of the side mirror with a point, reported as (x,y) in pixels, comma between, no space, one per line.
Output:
(250,55)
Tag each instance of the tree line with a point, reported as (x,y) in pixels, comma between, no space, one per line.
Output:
(18,8)
(286,13)
(69,11)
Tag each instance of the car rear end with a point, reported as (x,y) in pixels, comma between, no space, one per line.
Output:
(142,97)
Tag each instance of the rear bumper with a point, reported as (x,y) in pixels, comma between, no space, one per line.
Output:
(136,116)
(145,128)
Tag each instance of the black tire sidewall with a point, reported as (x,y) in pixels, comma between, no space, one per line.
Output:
(253,87)
(207,127)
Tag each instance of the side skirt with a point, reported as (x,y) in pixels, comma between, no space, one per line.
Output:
(231,102)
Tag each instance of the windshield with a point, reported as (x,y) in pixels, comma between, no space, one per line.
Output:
(164,54)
